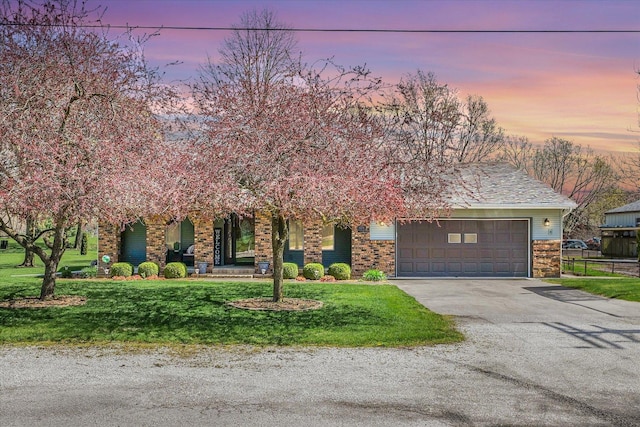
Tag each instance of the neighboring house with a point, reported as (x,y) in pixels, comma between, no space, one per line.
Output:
(619,231)
(511,227)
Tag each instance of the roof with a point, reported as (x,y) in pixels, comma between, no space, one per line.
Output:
(501,186)
(631,207)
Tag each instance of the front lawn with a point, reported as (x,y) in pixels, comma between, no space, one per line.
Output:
(195,312)
(623,288)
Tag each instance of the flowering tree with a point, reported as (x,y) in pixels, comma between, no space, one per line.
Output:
(77,130)
(295,142)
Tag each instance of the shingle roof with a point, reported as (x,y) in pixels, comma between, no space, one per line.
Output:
(631,207)
(502,186)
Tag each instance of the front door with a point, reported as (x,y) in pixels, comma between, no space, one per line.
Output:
(239,240)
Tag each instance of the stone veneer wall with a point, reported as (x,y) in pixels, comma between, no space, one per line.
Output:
(546,258)
(367,254)
(312,241)
(263,249)
(108,244)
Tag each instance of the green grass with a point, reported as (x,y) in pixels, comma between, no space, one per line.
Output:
(195,312)
(14,255)
(625,288)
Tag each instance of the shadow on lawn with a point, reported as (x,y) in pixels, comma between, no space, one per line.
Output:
(191,313)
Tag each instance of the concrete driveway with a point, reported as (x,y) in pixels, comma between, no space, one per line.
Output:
(536,354)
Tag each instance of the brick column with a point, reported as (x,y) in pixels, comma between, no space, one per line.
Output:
(156,246)
(312,241)
(371,254)
(203,242)
(108,244)
(263,250)
(546,258)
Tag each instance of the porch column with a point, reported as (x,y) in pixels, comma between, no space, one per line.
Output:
(263,249)
(203,242)
(156,247)
(108,244)
(312,241)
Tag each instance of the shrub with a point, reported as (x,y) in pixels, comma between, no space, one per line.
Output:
(175,270)
(289,270)
(84,243)
(313,271)
(147,269)
(121,269)
(340,271)
(65,273)
(89,272)
(374,275)
(327,279)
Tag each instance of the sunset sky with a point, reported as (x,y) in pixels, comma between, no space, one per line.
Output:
(578,86)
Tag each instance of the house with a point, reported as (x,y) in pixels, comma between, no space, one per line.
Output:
(619,231)
(511,226)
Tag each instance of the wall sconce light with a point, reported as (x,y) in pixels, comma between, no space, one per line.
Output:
(546,222)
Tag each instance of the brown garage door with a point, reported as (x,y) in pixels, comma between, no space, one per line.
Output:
(457,248)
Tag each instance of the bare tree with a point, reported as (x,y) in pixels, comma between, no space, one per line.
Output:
(479,137)
(570,169)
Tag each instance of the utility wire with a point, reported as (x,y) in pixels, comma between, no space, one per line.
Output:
(347,30)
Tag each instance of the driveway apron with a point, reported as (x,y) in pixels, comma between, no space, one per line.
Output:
(578,349)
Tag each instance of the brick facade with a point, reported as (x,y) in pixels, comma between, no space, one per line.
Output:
(156,247)
(203,242)
(312,241)
(547,256)
(264,252)
(365,253)
(109,244)
(369,254)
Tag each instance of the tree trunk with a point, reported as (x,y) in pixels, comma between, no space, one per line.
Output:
(78,235)
(51,262)
(279,236)
(30,232)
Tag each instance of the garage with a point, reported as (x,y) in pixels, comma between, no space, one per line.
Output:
(464,248)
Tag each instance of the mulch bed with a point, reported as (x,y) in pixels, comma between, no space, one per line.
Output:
(287,304)
(35,302)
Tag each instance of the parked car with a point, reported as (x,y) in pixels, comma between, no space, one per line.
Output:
(593,243)
(574,244)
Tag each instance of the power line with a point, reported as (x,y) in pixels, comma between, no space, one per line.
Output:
(353,30)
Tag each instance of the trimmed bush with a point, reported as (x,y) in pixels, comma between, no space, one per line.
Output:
(84,244)
(289,270)
(313,271)
(340,271)
(374,275)
(123,269)
(175,270)
(89,272)
(147,269)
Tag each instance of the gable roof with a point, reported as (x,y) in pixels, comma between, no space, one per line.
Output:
(501,186)
(631,207)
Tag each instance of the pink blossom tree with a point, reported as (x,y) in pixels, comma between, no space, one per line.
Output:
(78,129)
(297,143)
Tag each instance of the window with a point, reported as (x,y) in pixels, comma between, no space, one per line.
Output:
(470,238)
(454,238)
(328,237)
(172,236)
(296,236)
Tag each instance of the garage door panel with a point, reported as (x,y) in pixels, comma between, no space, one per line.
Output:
(405,253)
(405,267)
(489,248)
(437,253)
(422,267)
(454,267)
(422,253)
